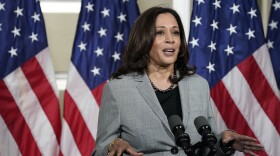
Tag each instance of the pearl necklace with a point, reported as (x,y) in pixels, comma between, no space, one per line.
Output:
(162,90)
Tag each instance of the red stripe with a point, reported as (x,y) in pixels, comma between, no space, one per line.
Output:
(44,92)
(261,89)
(79,129)
(97,93)
(230,113)
(16,123)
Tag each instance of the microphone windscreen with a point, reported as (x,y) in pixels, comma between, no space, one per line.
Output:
(200,121)
(174,120)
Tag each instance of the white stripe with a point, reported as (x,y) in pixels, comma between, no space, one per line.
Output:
(256,118)
(220,124)
(8,146)
(45,61)
(31,110)
(68,145)
(84,99)
(263,59)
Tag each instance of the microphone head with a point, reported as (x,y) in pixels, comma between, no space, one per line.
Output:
(201,124)
(174,120)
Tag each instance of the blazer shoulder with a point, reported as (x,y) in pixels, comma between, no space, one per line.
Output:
(195,78)
(122,80)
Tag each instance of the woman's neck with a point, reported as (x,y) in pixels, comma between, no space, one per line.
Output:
(160,76)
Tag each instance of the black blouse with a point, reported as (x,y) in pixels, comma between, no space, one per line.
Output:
(170,102)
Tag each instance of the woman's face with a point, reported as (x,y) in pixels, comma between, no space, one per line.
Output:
(167,41)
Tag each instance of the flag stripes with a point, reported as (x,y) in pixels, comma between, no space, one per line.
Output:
(44,93)
(36,118)
(270,107)
(82,112)
(76,119)
(15,122)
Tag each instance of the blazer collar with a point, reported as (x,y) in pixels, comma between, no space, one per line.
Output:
(146,90)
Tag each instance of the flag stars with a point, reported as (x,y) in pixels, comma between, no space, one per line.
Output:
(217,4)
(122,17)
(197,21)
(273,25)
(0,26)
(99,51)
(276,5)
(89,7)
(212,46)
(102,32)
(214,25)
(13,52)
(200,1)
(105,12)
(125,1)
(86,26)
(19,12)
(36,17)
(270,44)
(119,37)
(252,13)
(210,67)
(229,50)
(33,37)
(116,56)
(82,46)
(194,42)
(250,34)
(95,71)
(2,6)
(231,29)
(16,32)
(234,8)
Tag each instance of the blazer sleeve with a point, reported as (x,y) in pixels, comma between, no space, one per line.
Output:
(108,121)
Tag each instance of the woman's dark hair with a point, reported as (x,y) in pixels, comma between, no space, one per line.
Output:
(140,41)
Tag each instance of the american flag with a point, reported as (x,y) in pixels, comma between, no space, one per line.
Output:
(273,39)
(101,35)
(29,109)
(228,47)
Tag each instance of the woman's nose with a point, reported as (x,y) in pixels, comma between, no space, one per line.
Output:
(169,38)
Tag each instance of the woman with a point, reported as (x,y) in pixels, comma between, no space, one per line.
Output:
(153,84)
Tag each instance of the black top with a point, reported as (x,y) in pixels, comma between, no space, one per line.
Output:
(170,102)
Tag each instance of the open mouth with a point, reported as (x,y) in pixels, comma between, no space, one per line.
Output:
(168,50)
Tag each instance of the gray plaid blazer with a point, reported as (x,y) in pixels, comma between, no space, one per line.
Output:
(130,110)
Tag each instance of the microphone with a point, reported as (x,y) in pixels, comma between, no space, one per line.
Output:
(204,129)
(182,139)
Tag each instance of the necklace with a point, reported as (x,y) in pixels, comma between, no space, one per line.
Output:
(162,90)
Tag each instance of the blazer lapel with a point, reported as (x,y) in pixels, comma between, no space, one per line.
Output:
(150,97)
(184,90)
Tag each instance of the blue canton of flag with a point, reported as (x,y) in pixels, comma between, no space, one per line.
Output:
(22,33)
(273,38)
(223,33)
(228,47)
(102,33)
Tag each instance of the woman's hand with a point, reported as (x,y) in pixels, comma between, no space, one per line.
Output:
(119,146)
(242,143)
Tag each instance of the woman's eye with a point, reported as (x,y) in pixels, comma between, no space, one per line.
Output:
(176,33)
(160,33)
